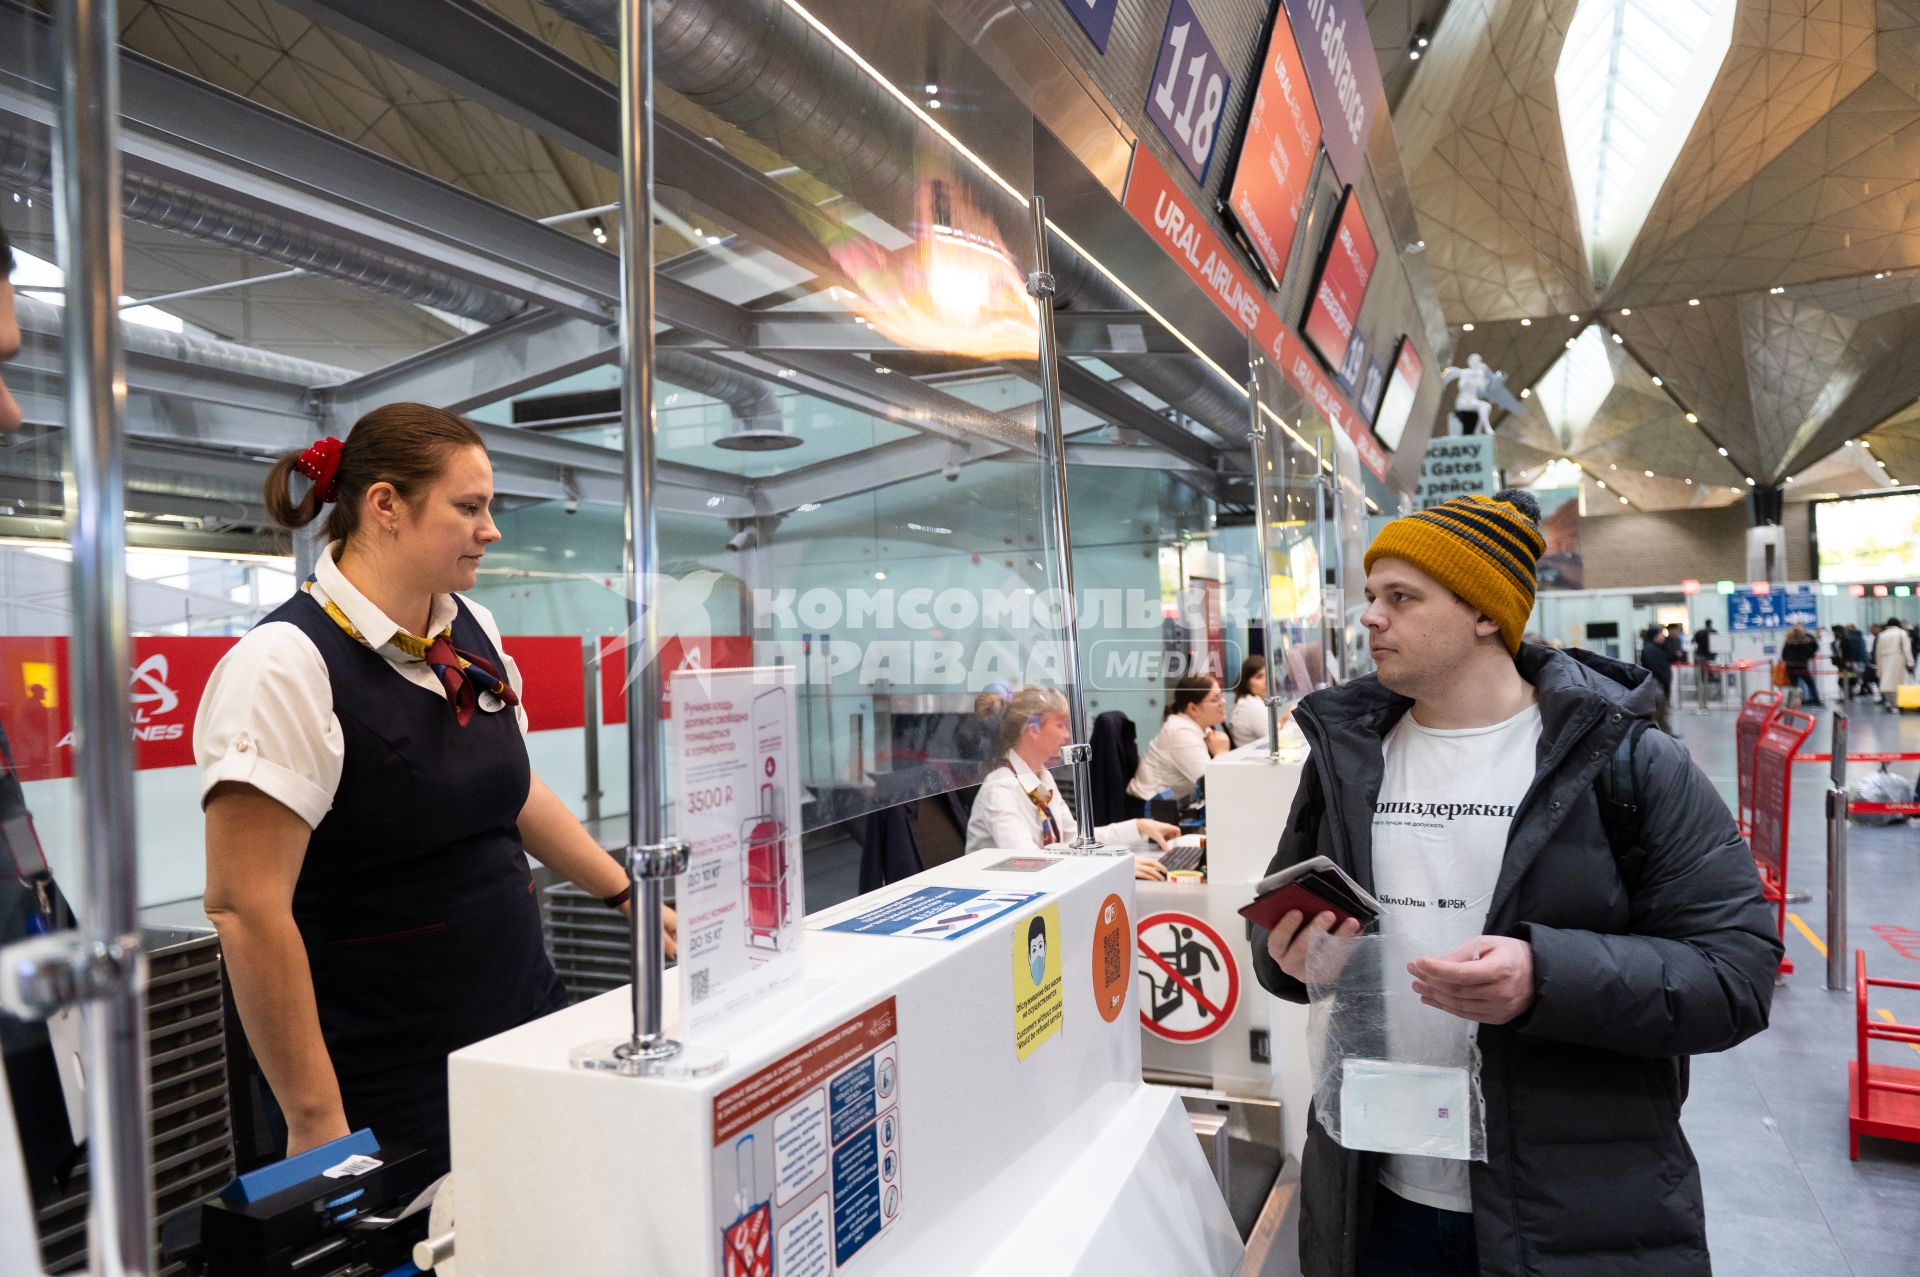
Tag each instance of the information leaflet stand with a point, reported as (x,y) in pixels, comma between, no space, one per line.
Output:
(951,1085)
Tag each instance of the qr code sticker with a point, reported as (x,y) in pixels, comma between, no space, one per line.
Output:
(698,984)
(1111,956)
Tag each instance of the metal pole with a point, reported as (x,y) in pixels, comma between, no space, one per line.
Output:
(1262,447)
(120,1213)
(651,858)
(590,738)
(206,290)
(1839,970)
(1053,497)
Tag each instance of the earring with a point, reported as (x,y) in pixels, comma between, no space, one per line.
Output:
(392,531)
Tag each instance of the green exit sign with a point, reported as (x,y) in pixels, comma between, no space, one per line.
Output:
(1725,587)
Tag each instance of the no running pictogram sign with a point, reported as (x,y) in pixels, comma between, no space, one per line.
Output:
(1192,982)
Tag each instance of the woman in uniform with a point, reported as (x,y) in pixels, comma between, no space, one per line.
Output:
(1019,808)
(369,803)
(1189,735)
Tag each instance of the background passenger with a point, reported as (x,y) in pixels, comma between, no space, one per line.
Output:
(1189,735)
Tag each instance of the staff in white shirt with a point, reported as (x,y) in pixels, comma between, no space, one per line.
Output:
(1189,735)
(1249,721)
(1019,808)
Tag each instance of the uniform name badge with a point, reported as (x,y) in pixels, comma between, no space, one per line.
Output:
(490,702)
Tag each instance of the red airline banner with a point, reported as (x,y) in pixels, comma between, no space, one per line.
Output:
(169,678)
(1177,226)
(709,652)
(1276,158)
(1343,284)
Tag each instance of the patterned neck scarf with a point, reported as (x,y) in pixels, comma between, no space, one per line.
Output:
(1042,799)
(464,675)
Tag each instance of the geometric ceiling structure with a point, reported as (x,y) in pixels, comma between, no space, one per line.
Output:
(1773,287)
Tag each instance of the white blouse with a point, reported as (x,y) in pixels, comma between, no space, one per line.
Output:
(1249,722)
(1004,816)
(1176,759)
(267,720)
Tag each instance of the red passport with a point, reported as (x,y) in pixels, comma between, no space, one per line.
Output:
(1313,887)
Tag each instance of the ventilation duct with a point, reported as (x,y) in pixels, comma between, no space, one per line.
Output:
(43,317)
(759,66)
(26,162)
(757,425)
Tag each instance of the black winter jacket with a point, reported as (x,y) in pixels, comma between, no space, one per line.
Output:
(1639,962)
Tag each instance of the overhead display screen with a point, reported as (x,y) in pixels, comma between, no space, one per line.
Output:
(1396,404)
(1868,538)
(1342,286)
(1277,149)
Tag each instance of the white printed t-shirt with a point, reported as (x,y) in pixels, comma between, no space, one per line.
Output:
(1440,827)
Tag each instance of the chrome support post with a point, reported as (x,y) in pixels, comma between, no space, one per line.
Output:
(650,858)
(1053,496)
(1262,447)
(1839,969)
(87,151)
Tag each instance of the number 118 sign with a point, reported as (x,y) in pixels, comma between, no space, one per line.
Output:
(1189,90)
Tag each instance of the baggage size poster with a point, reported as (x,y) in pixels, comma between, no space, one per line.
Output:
(806,1153)
(740,902)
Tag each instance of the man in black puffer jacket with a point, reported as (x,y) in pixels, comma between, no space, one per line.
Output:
(1596,971)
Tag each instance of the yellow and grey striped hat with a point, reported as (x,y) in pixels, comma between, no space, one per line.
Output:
(1484,549)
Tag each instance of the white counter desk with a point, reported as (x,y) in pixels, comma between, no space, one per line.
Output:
(875,1117)
(1258,1048)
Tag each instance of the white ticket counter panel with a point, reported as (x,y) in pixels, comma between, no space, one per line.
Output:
(953,1086)
(1204,1016)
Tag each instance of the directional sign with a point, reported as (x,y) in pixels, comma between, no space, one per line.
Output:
(1191,982)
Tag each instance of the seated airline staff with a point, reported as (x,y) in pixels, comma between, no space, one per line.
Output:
(1019,807)
(369,803)
(1189,735)
(1249,721)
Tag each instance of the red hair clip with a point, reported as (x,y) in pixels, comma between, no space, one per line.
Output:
(321,463)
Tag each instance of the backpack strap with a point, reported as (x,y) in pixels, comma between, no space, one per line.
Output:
(1619,801)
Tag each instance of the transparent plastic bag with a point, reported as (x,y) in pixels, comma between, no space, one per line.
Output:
(1391,1074)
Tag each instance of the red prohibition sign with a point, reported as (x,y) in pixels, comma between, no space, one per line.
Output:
(1217,1011)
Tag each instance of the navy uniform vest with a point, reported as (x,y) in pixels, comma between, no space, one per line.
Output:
(415,901)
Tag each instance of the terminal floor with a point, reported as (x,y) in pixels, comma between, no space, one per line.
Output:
(1768,1120)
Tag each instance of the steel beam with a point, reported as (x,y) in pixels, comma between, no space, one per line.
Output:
(468,372)
(1110,403)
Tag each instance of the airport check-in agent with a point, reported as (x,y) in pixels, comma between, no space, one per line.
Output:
(369,801)
(1019,808)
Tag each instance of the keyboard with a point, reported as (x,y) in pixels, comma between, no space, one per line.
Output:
(1184,853)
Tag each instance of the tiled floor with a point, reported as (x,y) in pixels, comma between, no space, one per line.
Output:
(1768,1119)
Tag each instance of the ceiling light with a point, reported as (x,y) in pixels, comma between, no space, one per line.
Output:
(1689,483)
(1570,343)
(1648,473)
(713,239)
(1419,243)
(1601,482)
(1693,301)
(1776,290)
(1612,466)
(787,372)
(1737,492)
(1866,443)
(1466,328)
(1723,452)
(1693,418)
(932,89)
(1626,310)
(1880,274)
(1658,382)
(599,229)
(808,508)
(933,104)
(1420,37)
(1574,318)
(1750,482)
(1849,443)
(1526,392)
(1623,500)
(1618,339)
(883,370)
(1413,55)
(1526,323)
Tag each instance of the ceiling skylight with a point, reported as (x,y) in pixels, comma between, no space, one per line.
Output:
(1632,78)
(1573,389)
(39,278)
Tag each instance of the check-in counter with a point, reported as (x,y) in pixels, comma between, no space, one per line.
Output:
(952,1085)
(1205,1018)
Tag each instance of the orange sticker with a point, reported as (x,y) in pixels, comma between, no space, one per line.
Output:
(1112,970)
